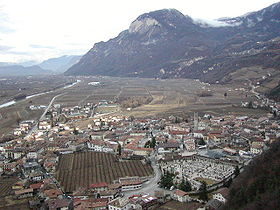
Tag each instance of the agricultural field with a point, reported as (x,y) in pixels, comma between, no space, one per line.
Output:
(28,85)
(147,97)
(85,168)
(6,186)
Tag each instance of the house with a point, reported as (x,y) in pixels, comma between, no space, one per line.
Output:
(101,186)
(36,176)
(160,195)
(18,185)
(116,186)
(44,125)
(256,148)
(30,167)
(168,147)
(36,187)
(109,194)
(17,132)
(52,193)
(25,193)
(213,204)
(96,204)
(100,146)
(131,185)
(140,151)
(119,204)
(62,204)
(32,155)
(190,144)
(181,196)
(26,125)
(221,195)
(13,153)
(142,201)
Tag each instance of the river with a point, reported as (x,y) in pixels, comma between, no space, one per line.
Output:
(9,103)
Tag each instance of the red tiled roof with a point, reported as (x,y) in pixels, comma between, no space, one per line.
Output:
(36,186)
(224,192)
(58,203)
(90,203)
(99,185)
(180,193)
(20,192)
(52,193)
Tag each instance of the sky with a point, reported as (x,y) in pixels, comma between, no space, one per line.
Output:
(41,29)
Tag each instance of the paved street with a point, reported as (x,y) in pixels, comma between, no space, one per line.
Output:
(150,186)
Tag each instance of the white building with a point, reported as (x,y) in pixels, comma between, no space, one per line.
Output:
(119,204)
(221,195)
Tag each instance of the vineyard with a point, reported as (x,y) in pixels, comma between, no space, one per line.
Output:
(85,168)
(6,186)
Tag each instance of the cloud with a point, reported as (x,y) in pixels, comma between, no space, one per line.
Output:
(33,27)
(5,22)
(5,48)
(5,29)
(41,46)
(210,23)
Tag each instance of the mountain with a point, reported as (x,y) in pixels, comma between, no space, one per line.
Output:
(274,93)
(60,64)
(258,186)
(18,70)
(6,64)
(168,44)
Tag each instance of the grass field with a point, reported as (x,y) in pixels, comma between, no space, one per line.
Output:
(85,168)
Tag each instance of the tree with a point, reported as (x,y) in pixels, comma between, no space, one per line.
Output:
(250,105)
(166,180)
(228,183)
(131,118)
(185,185)
(119,149)
(225,94)
(201,142)
(274,114)
(153,142)
(148,144)
(75,131)
(236,171)
(203,191)
(18,120)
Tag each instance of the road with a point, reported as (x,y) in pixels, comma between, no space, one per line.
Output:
(49,106)
(252,88)
(150,186)
(35,127)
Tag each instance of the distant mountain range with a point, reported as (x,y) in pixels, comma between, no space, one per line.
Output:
(18,70)
(60,64)
(168,44)
(50,66)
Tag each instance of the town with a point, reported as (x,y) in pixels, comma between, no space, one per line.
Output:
(92,157)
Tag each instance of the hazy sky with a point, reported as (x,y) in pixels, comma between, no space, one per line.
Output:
(41,29)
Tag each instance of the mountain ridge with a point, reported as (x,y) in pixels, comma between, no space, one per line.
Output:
(60,64)
(167,44)
(18,70)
